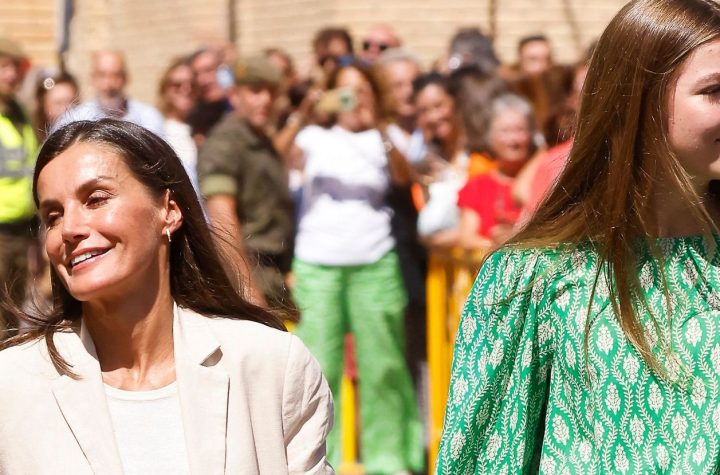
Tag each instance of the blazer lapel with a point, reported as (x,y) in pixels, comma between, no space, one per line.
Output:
(203,385)
(84,407)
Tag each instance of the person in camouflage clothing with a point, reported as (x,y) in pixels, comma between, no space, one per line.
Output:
(244,182)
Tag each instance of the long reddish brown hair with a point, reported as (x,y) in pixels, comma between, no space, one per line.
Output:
(604,196)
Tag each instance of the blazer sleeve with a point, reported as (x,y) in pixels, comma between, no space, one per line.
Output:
(307,412)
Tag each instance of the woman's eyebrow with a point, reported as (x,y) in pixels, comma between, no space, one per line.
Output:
(89,184)
(708,78)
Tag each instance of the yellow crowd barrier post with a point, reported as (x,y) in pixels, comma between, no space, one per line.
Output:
(438,371)
(348,425)
(450,278)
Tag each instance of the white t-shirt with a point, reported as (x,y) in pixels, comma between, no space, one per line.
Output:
(178,135)
(344,217)
(148,430)
(411,146)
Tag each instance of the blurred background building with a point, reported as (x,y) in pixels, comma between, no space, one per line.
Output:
(150,31)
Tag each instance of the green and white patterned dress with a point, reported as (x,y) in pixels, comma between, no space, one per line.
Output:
(523,398)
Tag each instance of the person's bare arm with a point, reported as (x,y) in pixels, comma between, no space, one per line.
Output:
(468,237)
(223,216)
(285,138)
(398,166)
(445,239)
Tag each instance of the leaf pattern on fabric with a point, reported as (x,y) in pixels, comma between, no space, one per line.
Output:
(527,397)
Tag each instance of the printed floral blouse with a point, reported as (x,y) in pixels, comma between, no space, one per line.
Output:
(527,396)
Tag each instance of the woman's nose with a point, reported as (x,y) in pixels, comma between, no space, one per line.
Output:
(74,226)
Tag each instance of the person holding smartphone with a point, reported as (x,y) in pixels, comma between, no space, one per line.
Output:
(347,276)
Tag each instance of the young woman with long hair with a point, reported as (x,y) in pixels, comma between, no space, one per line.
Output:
(590,343)
(151,361)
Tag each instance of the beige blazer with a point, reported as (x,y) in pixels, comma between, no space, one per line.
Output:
(253,401)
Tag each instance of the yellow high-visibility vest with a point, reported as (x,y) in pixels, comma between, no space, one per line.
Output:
(17,159)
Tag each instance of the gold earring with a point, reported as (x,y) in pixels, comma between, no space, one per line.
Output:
(167,233)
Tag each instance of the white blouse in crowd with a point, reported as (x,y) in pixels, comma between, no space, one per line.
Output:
(178,135)
(344,217)
(148,430)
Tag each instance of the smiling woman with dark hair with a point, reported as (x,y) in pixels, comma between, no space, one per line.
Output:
(151,361)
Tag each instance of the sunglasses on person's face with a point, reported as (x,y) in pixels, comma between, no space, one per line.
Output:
(338,61)
(367,44)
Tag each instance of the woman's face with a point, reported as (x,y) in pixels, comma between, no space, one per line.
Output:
(58,100)
(435,112)
(694,113)
(180,92)
(510,136)
(363,116)
(105,230)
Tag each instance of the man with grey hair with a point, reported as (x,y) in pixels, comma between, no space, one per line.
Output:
(378,39)
(400,68)
(109,78)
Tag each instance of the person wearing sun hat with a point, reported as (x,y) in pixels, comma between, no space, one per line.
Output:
(244,182)
(17,159)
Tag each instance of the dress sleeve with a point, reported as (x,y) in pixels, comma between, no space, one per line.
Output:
(499,384)
(307,413)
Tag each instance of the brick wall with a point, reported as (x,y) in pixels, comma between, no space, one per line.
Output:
(32,23)
(426,29)
(151,32)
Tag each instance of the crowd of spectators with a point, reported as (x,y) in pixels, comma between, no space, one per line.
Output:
(328,190)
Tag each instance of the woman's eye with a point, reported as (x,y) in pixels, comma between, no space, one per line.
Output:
(51,219)
(97,198)
(713,91)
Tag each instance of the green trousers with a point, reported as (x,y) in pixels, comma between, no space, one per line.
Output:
(369,301)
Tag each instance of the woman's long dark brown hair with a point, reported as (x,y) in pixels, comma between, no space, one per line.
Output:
(197,277)
(620,151)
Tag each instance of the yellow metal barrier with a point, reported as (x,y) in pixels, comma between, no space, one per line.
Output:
(348,426)
(450,277)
